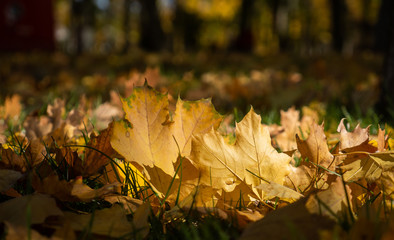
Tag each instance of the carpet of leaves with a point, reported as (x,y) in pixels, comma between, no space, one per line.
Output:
(148,166)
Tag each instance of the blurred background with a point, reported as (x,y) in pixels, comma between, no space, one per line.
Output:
(271,54)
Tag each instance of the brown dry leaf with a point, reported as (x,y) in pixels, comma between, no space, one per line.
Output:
(367,165)
(16,232)
(273,190)
(56,111)
(11,160)
(74,190)
(8,178)
(368,227)
(291,222)
(33,155)
(35,152)
(64,232)
(97,154)
(111,222)
(332,200)
(37,127)
(105,113)
(141,225)
(389,233)
(387,183)
(75,117)
(225,166)
(86,194)
(150,140)
(357,140)
(75,122)
(12,108)
(202,198)
(301,177)
(3,127)
(152,75)
(68,161)
(37,206)
(129,204)
(290,123)
(383,140)
(61,136)
(309,117)
(315,148)
(244,217)
(115,99)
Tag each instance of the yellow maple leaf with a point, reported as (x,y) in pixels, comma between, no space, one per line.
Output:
(151,141)
(250,160)
(367,165)
(284,193)
(332,201)
(315,147)
(357,140)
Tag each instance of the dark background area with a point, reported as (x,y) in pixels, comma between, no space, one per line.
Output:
(270,54)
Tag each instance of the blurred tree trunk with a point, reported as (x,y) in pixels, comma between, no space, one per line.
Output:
(366,28)
(385,44)
(77,25)
(152,35)
(337,24)
(187,28)
(83,22)
(244,40)
(280,21)
(126,25)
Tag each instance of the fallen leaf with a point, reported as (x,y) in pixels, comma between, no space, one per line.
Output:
(15,232)
(97,154)
(64,232)
(37,127)
(129,204)
(85,194)
(111,222)
(300,178)
(8,178)
(56,111)
(149,139)
(105,114)
(382,140)
(12,108)
(3,127)
(247,216)
(310,116)
(32,209)
(367,227)
(357,140)
(315,148)
(11,160)
(251,159)
(331,201)
(74,190)
(273,190)
(291,222)
(387,183)
(367,165)
(31,157)
(141,225)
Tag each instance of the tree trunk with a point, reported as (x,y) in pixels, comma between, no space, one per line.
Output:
(385,44)
(126,26)
(152,35)
(244,40)
(337,24)
(186,29)
(77,25)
